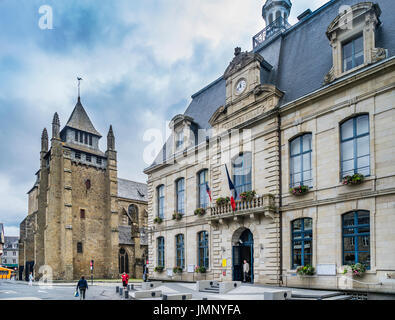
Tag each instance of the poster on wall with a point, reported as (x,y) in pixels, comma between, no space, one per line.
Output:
(191,268)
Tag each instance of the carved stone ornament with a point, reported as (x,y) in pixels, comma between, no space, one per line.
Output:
(378,54)
(241,60)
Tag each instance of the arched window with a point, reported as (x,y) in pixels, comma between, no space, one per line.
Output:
(302,242)
(161,251)
(203,249)
(202,186)
(133,213)
(123,259)
(270,18)
(180,191)
(180,260)
(241,166)
(356,238)
(161,201)
(300,161)
(355,146)
(278,14)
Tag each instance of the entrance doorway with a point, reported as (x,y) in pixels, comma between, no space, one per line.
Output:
(243,249)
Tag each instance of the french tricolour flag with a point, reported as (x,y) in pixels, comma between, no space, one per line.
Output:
(208,191)
(233,192)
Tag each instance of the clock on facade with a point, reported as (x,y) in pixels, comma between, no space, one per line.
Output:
(241,86)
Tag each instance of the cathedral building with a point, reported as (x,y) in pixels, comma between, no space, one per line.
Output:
(79,211)
(300,130)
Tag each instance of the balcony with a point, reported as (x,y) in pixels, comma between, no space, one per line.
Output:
(277,26)
(259,206)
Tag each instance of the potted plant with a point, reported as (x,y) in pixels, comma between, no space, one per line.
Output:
(299,190)
(158,220)
(159,269)
(354,179)
(177,216)
(177,270)
(248,195)
(221,201)
(357,269)
(200,212)
(306,270)
(200,269)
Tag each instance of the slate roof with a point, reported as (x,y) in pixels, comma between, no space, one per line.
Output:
(132,190)
(301,57)
(125,235)
(79,120)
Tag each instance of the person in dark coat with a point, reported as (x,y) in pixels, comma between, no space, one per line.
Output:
(82,286)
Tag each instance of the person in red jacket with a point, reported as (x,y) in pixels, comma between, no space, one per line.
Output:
(125,279)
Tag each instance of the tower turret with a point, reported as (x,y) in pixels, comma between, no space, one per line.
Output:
(55,127)
(110,140)
(276,10)
(44,140)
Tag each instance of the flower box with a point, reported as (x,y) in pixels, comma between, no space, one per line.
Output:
(158,220)
(222,201)
(355,179)
(177,216)
(356,270)
(159,269)
(299,190)
(248,195)
(177,270)
(306,270)
(200,212)
(200,269)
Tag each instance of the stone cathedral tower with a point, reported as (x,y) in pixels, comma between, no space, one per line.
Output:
(80,213)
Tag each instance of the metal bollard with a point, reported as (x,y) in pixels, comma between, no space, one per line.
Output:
(120,291)
(126,294)
(117,289)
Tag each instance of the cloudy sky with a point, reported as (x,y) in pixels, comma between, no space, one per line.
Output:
(140,60)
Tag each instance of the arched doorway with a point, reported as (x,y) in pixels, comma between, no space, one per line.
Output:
(243,249)
(123,261)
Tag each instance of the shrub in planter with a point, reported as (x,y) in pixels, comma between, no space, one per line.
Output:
(306,270)
(200,269)
(248,195)
(200,212)
(357,269)
(222,201)
(297,191)
(177,216)
(354,179)
(159,269)
(177,270)
(158,220)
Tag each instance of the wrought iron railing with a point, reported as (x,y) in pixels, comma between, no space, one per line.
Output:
(278,25)
(262,203)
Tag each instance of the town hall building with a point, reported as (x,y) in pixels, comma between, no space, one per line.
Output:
(304,124)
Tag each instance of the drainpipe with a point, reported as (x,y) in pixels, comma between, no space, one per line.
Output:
(280,196)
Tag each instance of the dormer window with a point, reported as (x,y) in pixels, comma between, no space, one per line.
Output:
(184,129)
(353,53)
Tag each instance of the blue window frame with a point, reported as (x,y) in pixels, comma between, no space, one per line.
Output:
(203,196)
(355,146)
(180,190)
(161,202)
(300,161)
(356,238)
(302,242)
(203,249)
(161,251)
(180,260)
(353,53)
(242,166)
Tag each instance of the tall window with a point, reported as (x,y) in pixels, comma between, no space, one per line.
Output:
(242,173)
(355,146)
(180,260)
(353,53)
(180,186)
(179,140)
(203,249)
(161,201)
(302,242)
(203,196)
(123,261)
(161,252)
(79,247)
(76,135)
(300,162)
(356,238)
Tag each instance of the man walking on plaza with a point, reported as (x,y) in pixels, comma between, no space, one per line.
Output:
(125,279)
(246,270)
(83,286)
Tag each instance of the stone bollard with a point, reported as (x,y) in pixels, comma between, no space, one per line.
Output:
(117,289)
(120,291)
(126,294)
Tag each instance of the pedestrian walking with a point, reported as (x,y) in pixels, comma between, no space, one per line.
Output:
(82,285)
(125,279)
(31,279)
(145,274)
(246,270)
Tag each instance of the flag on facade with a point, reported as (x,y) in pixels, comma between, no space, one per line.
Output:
(233,192)
(208,191)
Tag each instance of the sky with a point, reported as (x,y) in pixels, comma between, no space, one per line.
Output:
(140,62)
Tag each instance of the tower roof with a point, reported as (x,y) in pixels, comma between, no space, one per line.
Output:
(79,120)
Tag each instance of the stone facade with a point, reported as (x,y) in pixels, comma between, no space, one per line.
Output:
(253,114)
(75,208)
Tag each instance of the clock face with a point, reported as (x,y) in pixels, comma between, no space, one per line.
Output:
(241,85)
